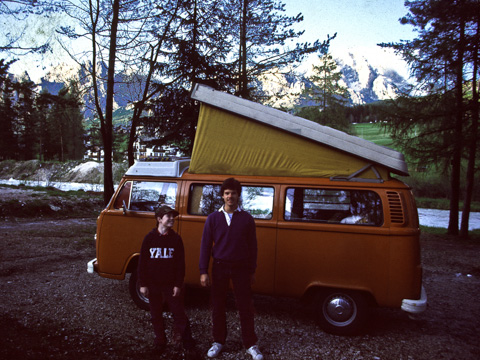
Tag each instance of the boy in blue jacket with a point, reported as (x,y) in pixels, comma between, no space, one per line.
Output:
(229,237)
(161,272)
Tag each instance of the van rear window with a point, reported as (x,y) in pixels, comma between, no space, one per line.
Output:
(206,198)
(333,206)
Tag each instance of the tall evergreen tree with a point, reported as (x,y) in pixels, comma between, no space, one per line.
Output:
(45,138)
(72,117)
(438,58)
(324,98)
(190,46)
(9,143)
(27,125)
(263,37)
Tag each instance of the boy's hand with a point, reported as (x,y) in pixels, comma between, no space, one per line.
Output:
(204,280)
(176,291)
(144,291)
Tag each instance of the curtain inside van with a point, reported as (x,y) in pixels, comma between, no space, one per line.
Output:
(226,143)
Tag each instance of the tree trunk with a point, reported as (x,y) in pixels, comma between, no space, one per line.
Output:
(243,78)
(108,133)
(457,147)
(473,143)
(132,137)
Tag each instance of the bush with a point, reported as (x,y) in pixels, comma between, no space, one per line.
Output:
(436,186)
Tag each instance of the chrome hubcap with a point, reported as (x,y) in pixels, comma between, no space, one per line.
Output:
(340,309)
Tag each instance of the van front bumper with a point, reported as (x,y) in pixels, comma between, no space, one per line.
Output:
(92,266)
(415,306)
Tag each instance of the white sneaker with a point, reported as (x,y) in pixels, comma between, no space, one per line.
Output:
(215,350)
(256,354)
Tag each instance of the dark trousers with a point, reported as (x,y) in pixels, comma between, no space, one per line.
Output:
(240,276)
(181,324)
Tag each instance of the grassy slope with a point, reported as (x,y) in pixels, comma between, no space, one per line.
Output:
(373,132)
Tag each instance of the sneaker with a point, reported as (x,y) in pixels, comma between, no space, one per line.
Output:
(215,350)
(256,354)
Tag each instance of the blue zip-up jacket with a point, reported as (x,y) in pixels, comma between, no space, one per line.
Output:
(234,243)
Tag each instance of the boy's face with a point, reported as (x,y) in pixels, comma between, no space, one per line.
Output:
(167,220)
(230,198)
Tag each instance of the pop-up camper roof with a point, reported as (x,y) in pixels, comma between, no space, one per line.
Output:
(240,137)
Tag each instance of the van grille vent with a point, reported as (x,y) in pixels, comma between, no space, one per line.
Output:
(396,208)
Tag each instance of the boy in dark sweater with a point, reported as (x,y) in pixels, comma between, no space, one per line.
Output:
(229,237)
(161,272)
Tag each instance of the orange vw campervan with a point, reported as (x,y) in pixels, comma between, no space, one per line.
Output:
(332,224)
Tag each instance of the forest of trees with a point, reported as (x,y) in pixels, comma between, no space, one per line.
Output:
(166,46)
(37,125)
(441,126)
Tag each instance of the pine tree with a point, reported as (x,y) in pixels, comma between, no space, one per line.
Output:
(9,143)
(192,47)
(263,37)
(325,97)
(27,126)
(439,57)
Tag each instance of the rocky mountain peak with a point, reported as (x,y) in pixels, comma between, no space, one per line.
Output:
(368,83)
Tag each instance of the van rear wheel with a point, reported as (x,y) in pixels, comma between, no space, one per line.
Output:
(341,312)
(138,298)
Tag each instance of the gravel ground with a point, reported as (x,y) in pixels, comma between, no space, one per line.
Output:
(52,309)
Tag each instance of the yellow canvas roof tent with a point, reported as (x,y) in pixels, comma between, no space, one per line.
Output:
(240,137)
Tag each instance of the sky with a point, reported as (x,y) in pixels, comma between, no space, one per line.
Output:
(360,25)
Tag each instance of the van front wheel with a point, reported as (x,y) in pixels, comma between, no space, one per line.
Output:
(138,298)
(341,312)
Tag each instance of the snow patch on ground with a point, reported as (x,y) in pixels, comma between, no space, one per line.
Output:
(85,168)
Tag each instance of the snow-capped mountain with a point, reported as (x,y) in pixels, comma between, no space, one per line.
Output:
(366,82)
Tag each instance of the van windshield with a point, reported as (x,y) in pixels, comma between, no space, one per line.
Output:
(146,195)
(333,206)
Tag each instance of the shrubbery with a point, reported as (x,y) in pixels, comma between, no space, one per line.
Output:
(432,190)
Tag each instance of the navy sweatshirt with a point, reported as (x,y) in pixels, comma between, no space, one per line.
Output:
(162,261)
(234,243)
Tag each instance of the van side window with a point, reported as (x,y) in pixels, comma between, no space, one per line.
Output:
(258,201)
(333,206)
(147,195)
(205,199)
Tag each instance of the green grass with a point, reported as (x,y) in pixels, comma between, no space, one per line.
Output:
(443,204)
(472,235)
(373,132)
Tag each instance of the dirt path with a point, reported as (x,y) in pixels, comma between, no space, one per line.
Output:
(52,309)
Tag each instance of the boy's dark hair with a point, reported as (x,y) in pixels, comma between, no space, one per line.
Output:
(231,184)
